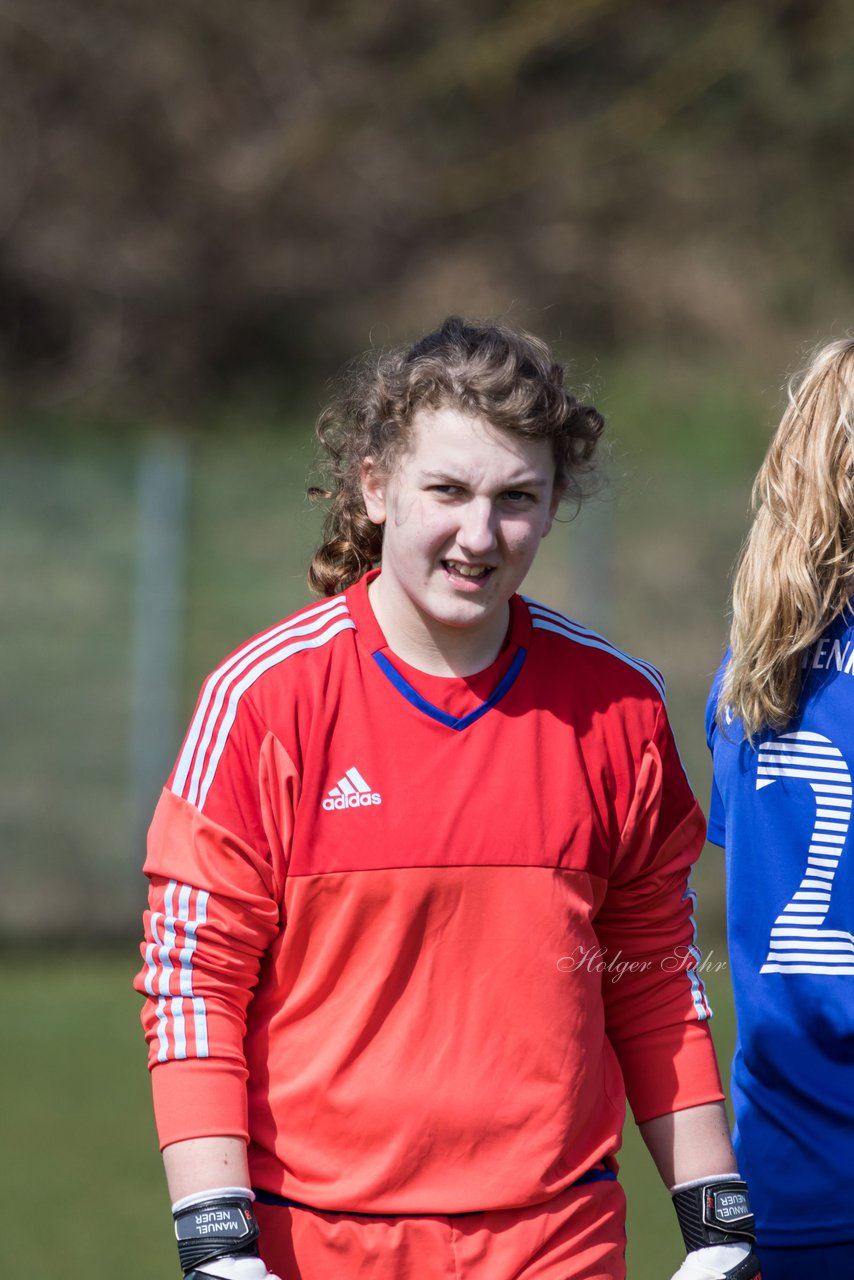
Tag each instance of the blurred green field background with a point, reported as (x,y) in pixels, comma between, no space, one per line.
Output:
(647,562)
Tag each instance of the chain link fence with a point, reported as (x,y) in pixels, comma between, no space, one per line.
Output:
(128,569)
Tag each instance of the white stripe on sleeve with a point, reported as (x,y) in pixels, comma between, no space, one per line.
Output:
(308,620)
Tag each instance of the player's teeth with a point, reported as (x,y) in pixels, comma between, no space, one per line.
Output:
(468,570)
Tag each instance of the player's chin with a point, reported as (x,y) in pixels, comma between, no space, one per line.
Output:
(469,610)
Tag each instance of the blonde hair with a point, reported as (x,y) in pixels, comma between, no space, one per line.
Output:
(487,370)
(796,571)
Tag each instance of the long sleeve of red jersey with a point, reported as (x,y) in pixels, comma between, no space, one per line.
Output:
(656,1007)
(216,862)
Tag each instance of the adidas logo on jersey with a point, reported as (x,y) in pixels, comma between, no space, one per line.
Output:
(351,792)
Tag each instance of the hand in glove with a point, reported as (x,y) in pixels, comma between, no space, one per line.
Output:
(232,1269)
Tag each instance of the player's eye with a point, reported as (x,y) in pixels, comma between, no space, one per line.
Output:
(519,496)
(446,490)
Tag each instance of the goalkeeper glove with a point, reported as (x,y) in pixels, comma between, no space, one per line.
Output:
(216,1233)
(718,1229)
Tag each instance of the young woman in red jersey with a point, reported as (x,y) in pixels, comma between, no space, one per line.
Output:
(413,833)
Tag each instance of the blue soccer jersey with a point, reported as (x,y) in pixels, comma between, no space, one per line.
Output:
(781,807)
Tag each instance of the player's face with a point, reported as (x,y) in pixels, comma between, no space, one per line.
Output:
(464,513)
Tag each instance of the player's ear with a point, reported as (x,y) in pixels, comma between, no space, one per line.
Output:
(373,491)
(557,493)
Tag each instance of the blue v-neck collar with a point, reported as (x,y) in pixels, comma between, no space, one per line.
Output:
(421,704)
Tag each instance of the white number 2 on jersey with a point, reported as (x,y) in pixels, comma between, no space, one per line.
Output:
(799,941)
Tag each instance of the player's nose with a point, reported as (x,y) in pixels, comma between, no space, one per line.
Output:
(477,531)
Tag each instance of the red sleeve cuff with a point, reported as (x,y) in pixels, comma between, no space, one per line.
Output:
(670,1069)
(199,1098)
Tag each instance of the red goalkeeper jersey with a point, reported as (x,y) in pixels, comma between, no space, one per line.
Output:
(415,937)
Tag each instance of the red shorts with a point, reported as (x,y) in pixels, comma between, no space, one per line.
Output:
(579,1235)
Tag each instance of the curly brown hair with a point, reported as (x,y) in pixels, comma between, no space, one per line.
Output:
(487,370)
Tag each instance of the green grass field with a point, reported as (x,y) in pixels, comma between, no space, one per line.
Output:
(84,1183)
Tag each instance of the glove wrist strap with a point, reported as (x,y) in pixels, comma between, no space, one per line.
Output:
(714,1212)
(215,1226)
